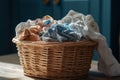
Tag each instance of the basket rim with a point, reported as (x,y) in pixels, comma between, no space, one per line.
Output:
(82,42)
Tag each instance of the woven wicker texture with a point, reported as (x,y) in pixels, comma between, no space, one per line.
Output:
(53,60)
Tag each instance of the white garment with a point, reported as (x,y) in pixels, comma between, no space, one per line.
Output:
(107,62)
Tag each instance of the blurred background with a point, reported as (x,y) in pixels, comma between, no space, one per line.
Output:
(105,12)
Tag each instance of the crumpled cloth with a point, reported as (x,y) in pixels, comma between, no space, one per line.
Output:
(44,24)
(24,25)
(107,63)
(61,33)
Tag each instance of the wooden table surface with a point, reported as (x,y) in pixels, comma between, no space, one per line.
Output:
(10,69)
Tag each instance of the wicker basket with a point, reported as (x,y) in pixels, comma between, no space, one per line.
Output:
(55,60)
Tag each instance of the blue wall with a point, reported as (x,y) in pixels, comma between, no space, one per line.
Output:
(5,40)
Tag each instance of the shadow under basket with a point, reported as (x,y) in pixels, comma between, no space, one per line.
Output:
(55,60)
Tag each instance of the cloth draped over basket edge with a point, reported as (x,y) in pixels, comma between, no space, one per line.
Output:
(107,62)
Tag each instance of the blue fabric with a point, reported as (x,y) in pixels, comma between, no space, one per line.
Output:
(46,22)
(60,32)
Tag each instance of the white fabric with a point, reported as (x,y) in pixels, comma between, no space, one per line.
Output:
(24,25)
(107,62)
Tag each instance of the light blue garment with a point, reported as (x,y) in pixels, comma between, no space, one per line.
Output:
(46,22)
(60,33)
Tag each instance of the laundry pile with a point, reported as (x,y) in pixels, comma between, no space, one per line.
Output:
(47,29)
(73,27)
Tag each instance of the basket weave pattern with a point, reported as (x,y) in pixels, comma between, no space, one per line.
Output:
(56,60)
